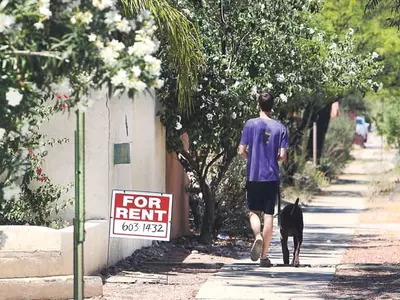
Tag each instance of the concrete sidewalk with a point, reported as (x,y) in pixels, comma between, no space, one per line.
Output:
(330,221)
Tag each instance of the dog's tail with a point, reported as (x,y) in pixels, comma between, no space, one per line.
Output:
(296,204)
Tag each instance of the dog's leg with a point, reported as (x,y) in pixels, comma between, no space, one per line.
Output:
(297,243)
(285,250)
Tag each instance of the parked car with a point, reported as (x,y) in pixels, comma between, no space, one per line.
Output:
(362,127)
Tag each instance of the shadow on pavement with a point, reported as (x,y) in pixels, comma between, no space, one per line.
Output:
(349,181)
(362,283)
(341,194)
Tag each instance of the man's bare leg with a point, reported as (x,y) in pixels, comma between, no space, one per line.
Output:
(267,234)
(258,242)
(255,223)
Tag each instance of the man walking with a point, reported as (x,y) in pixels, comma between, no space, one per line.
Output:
(267,143)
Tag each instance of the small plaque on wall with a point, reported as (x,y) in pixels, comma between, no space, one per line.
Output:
(122,154)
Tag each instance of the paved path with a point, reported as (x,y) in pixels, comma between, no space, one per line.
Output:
(330,221)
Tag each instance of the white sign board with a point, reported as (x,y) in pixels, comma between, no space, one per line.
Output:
(141,215)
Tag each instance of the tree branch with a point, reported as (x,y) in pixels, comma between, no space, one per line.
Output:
(218,156)
(190,160)
(203,161)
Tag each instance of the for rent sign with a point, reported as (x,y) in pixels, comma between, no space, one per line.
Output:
(141,215)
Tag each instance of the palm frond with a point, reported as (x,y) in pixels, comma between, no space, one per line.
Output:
(183,40)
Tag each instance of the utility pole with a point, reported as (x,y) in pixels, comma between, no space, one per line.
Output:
(79,221)
(315,144)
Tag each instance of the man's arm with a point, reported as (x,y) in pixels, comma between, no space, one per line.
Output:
(282,155)
(243,151)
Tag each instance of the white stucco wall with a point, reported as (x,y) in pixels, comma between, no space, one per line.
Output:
(119,120)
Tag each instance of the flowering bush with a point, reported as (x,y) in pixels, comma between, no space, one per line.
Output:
(87,43)
(38,202)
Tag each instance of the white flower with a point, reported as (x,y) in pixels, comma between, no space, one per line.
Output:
(153,65)
(136,71)
(233,115)
(159,84)
(205,79)
(333,46)
(11,191)
(301,26)
(351,31)
(138,85)
(375,55)
(283,97)
(200,88)
(87,17)
(83,17)
(352,73)
(311,31)
(12,135)
(13,97)
(202,106)
(109,55)
(112,17)
(123,26)
(186,12)
(38,25)
(178,126)
(6,21)
(2,133)
(280,78)
(102,4)
(241,103)
(117,45)
(131,50)
(144,14)
(120,77)
(269,85)
(236,84)
(209,116)
(45,12)
(194,142)
(99,44)
(143,47)
(92,37)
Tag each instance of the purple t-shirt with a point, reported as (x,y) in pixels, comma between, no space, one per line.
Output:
(264,138)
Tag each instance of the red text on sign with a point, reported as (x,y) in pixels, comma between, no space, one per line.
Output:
(141,209)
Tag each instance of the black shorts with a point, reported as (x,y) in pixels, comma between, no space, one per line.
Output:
(261,196)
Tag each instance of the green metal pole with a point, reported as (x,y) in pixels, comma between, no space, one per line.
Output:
(79,221)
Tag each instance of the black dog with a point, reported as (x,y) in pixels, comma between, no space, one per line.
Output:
(292,225)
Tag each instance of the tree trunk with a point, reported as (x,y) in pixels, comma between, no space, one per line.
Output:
(322,119)
(209,215)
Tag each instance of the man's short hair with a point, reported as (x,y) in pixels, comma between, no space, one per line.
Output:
(266,101)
